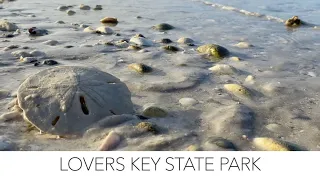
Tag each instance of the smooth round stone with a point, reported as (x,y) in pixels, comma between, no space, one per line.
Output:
(163,27)
(37,32)
(110,20)
(140,68)
(223,69)
(184,40)
(243,45)
(28,60)
(70,12)
(67,100)
(141,41)
(37,53)
(19,54)
(171,48)
(60,22)
(50,62)
(104,30)
(150,110)
(234,58)
(63,8)
(222,143)
(7,26)
(188,102)
(249,79)
(89,30)
(10,47)
(213,50)
(84,7)
(166,41)
(84,25)
(98,7)
(51,42)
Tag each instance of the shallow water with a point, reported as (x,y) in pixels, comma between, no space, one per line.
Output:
(280,59)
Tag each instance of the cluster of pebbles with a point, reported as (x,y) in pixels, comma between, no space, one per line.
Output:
(86,104)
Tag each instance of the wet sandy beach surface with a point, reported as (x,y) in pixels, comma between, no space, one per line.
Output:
(284,92)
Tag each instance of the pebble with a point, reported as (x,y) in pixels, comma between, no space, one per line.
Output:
(84,7)
(140,68)
(10,116)
(36,53)
(243,45)
(63,8)
(163,27)
(19,54)
(223,69)
(234,58)
(147,127)
(269,144)
(37,32)
(237,90)
(17,32)
(188,101)
(171,48)
(51,42)
(109,20)
(166,41)
(50,62)
(60,22)
(83,26)
(104,30)
(213,50)
(312,74)
(112,140)
(7,26)
(150,110)
(89,30)
(143,51)
(193,148)
(250,79)
(141,41)
(222,143)
(138,17)
(6,145)
(10,47)
(70,12)
(98,7)
(69,46)
(184,40)
(134,47)
(28,59)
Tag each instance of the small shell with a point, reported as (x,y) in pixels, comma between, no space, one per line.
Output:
(140,68)
(110,142)
(109,20)
(237,90)
(269,144)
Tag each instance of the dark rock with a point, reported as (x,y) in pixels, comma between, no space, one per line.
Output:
(50,62)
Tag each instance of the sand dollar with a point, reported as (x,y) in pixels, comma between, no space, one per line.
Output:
(66,100)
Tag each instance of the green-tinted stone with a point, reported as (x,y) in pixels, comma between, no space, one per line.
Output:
(163,27)
(214,51)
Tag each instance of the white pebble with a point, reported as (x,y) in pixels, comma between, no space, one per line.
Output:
(243,45)
(188,101)
(104,30)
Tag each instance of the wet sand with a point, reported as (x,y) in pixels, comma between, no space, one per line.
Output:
(284,93)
